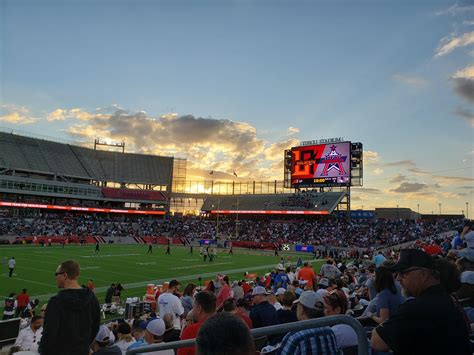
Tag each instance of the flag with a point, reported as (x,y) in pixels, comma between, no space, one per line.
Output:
(212,172)
(235,173)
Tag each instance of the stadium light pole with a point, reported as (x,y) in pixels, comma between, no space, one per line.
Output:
(217,224)
(439,204)
(418,205)
(467,210)
(237,221)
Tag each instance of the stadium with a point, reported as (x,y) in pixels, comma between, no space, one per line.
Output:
(134,222)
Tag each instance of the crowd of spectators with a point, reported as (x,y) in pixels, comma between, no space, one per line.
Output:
(420,301)
(329,233)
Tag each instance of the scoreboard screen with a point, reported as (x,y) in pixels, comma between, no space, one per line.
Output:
(321,165)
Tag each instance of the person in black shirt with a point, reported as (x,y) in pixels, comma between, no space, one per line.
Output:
(109,293)
(97,247)
(430,322)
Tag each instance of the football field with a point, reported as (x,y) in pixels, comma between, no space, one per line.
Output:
(129,265)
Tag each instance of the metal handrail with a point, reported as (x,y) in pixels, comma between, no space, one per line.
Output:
(363,345)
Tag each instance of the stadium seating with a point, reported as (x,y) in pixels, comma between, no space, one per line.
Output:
(37,155)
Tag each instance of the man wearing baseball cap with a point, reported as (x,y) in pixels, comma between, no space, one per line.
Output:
(102,343)
(154,335)
(263,314)
(314,340)
(430,322)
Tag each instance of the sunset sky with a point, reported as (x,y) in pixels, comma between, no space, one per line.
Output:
(230,84)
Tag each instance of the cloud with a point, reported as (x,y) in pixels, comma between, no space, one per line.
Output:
(456,9)
(17,118)
(276,151)
(367,190)
(210,144)
(377,171)
(450,44)
(76,113)
(467,115)
(464,83)
(371,157)
(452,179)
(410,163)
(418,171)
(398,178)
(293,130)
(57,115)
(408,187)
(410,80)
(15,114)
(467,187)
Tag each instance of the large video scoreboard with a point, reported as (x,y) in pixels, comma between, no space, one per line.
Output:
(321,165)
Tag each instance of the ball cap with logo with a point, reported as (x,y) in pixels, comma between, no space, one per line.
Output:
(411,258)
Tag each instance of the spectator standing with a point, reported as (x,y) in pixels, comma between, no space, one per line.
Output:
(90,285)
(307,273)
(238,290)
(309,341)
(29,311)
(11,266)
(430,322)
(109,294)
(329,270)
(204,307)
(22,301)
(168,302)
(29,337)
(188,298)
(9,306)
(225,291)
(281,279)
(73,315)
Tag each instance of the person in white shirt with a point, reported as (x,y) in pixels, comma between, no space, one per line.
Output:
(11,265)
(29,338)
(169,303)
(9,306)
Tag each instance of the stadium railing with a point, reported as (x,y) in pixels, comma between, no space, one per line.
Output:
(363,345)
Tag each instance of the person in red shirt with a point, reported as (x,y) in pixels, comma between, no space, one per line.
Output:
(22,300)
(307,273)
(90,285)
(225,291)
(204,307)
(246,287)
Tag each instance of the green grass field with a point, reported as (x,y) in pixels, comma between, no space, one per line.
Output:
(128,264)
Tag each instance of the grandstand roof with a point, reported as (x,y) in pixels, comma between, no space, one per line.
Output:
(52,158)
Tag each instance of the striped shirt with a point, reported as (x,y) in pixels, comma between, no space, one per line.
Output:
(313,341)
